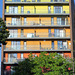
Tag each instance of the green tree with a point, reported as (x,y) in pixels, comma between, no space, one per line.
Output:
(3,31)
(23,68)
(52,64)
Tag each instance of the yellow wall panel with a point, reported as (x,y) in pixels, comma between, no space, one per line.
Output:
(41,9)
(66,9)
(19,9)
(9,0)
(7,9)
(52,9)
(22,0)
(45,0)
(29,9)
(67,0)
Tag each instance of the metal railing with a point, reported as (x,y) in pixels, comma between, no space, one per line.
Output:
(36,47)
(13,60)
(39,35)
(36,1)
(36,11)
(39,23)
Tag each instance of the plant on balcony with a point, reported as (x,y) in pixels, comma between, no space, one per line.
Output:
(3,31)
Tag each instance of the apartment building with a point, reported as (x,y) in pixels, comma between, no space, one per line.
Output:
(36,26)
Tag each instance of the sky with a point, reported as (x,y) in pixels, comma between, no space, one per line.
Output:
(1,17)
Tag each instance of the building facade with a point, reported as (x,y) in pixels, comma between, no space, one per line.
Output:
(36,26)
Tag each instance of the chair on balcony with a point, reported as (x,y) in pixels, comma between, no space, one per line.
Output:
(28,12)
(9,23)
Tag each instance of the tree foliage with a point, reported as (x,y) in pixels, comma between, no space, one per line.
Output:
(3,31)
(52,64)
(23,68)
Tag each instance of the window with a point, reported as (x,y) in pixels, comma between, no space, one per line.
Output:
(21,55)
(12,57)
(15,45)
(33,0)
(59,33)
(62,33)
(52,21)
(49,9)
(52,44)
(15,21)
(25,45)
(22,9)
(25,21)
(18,45)
(58,9)
(13,9)
(49,31)
(56,32)
(60,44)
(65,45)
(38,0)
(58,21)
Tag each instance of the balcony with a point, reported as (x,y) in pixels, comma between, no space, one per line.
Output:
(36,1)
(40,35)
(36,12)
(28,48)
(12,60)
(39,23)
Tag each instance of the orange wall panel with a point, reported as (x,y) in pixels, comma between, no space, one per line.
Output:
(33,45)
(22,20)
(45,20)
(55,45)
(32,20)
(18,55)
(8,20)
(41,32)
(69,44)
(55,20)
(22,45)
(26,55)
(6,57)
(67,32)
(8,45)
(46,45)
(67,55)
